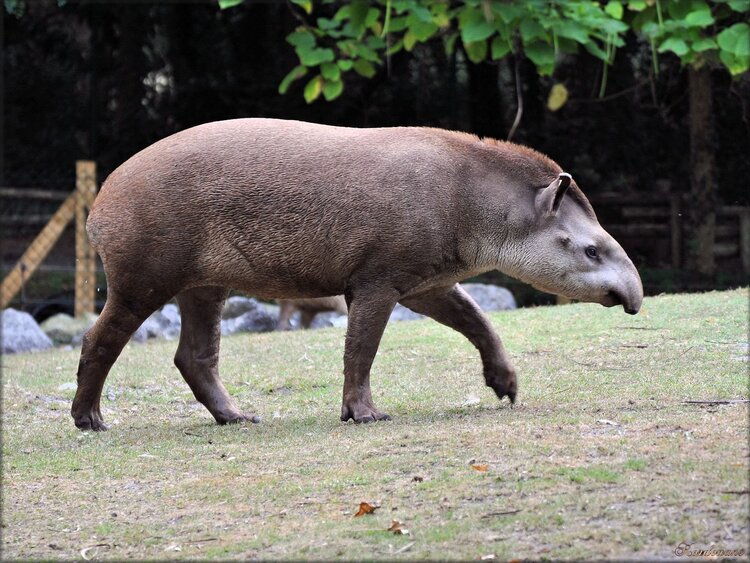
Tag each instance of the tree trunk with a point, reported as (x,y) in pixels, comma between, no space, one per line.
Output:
(701,206)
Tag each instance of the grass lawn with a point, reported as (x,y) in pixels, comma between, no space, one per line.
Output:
(601,456)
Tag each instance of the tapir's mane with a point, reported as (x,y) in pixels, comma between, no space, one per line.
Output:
(542,164)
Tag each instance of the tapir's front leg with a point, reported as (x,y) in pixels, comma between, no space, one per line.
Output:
(369,310)
(455,308)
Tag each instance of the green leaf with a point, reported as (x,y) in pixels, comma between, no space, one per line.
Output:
(595,50)
(313,89)
(364,68)
(306,5)
(637,5)
(572,30)
(345,64)
(449,42)
(313,57)
(735,40)
(302,38)
(614,9)
(343,13)
(333,89)
(700,17)
(531,29)
(542,55)
(409,40)
(499,48)
(739,5)
(295,74)
(477,51)
(735,64)
(324,24)
(507,12)
(474,26)
(676,45)
(423,30)
(395,48)
(224,4)
(703,44)
(420,12)
(330,71)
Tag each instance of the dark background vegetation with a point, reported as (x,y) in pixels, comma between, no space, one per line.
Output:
(101,81)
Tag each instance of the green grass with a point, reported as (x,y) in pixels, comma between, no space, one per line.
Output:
(600,457)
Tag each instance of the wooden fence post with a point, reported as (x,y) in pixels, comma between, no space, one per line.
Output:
(85,296)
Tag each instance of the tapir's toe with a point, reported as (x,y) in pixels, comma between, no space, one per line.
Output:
(362,414)
(503,385)
(90,422)
(238,418)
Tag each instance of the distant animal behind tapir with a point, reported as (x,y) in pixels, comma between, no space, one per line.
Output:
(287,210)
(308,309)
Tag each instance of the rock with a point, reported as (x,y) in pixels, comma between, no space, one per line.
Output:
(328,319)
(21,333)
(490,297)
(238,305)
(171,313)
(64,329)
(401,313)
(165,323)
(257,319)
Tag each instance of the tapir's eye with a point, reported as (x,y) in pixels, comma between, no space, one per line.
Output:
(591,252)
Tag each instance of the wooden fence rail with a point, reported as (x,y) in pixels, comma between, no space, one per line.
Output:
(653,217)
(76,204)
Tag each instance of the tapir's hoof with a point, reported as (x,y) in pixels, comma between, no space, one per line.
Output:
(238,418)
(362,414)
(90,422)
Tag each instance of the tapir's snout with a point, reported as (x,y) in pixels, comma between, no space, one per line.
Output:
(628,292)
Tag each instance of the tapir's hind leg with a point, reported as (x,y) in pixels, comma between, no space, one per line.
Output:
(197,355)
(101,346)
(455,308)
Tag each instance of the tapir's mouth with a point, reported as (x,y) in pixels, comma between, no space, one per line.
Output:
(614,298)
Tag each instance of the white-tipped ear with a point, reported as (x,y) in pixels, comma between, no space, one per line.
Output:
(549,199)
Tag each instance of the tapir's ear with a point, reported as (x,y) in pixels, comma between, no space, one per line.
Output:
(549,199)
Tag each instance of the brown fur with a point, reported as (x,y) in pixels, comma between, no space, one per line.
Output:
(308,308)
(285,209)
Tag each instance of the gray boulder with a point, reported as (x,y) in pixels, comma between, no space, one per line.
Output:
(328,319)
(64,329)
(254,319)
(490,297)
(401,313)
(164,323)
(21,333)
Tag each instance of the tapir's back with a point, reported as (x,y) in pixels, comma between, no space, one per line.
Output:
(270,202)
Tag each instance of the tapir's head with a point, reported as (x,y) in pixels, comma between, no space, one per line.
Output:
(568,253)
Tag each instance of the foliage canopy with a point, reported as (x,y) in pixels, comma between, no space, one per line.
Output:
(358,36)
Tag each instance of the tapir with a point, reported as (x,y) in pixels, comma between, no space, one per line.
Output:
(308,308)
(286,209)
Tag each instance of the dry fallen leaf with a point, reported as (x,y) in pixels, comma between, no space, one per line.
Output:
(398,529)
(480,466)
(365,508)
